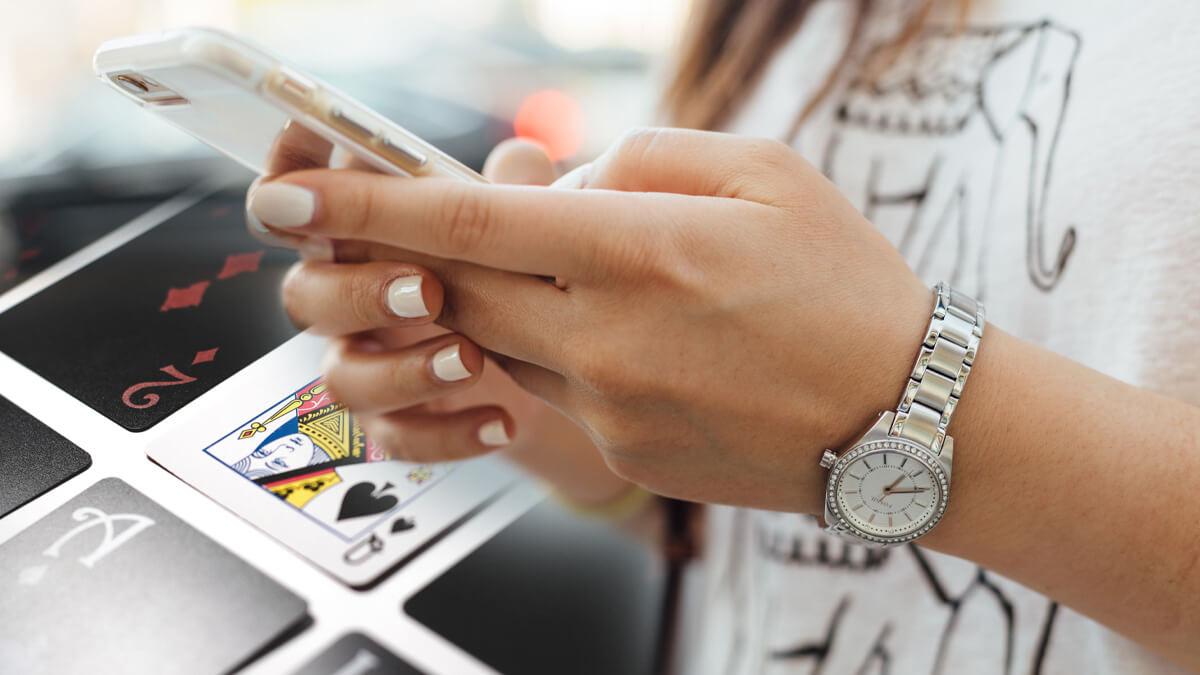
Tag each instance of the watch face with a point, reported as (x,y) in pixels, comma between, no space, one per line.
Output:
(888,491)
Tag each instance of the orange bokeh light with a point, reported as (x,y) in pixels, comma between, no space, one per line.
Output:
(552,119)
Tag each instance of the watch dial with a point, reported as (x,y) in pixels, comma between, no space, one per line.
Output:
(889,492)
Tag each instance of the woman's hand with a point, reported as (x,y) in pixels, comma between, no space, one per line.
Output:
(425,393)
(719,313)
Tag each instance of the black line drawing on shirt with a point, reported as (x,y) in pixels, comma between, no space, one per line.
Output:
(982,587)
(1005,88)
(816,650)
(828,552)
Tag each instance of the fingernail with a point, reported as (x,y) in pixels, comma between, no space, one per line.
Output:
(252,219)
(317,248)
(283,205)
(494,434)
(404,298)
(448,365)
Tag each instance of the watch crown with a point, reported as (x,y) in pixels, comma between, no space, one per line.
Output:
(828,458)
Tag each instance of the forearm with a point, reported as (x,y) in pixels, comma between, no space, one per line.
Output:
(1081,487)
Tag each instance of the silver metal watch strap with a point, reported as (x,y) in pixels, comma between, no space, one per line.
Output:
(941,370)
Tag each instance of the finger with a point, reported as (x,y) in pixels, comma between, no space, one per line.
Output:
(427,437)
(343,298)
(522,229)
(370,380)
(519,162)
(690,162)
(297,147)
(545,384)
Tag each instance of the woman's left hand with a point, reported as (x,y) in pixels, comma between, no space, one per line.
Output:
(719,312)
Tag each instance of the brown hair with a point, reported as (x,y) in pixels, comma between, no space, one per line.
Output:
(728,43)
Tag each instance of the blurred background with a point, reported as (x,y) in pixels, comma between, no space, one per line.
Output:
(464,74)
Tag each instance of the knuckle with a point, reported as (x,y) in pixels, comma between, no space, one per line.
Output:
(632,147)
(360,208)
(363,300)
(465,216)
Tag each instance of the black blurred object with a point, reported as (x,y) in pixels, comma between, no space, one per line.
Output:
(552,593)
(47,218)
(145,329)
(357,654)
(33,458)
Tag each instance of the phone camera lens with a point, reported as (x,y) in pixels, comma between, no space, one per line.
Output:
(132,84)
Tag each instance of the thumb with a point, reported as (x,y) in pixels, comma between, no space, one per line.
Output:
(519,162)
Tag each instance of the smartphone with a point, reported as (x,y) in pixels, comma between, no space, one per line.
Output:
(262,112)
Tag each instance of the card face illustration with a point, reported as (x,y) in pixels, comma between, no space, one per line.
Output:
(357,654)
(301,468)
(152,325)
(33,457)
(111,581)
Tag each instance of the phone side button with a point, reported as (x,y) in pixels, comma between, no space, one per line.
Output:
(409,159)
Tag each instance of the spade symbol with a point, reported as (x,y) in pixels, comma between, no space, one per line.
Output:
(361,500)
(402,524)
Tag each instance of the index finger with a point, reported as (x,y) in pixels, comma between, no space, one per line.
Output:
(533,230)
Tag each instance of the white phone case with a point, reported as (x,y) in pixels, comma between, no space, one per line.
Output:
(257,109)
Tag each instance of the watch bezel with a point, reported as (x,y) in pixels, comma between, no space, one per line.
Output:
(908,448)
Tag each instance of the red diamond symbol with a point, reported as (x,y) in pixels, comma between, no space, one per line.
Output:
(240,262)
(30,253)
(205,356)
(184,297)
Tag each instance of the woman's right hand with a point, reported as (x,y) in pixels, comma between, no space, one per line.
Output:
(443,400)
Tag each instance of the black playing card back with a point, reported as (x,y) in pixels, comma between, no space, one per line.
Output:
(33,458)
(552,593)
(358,654)
(111,582)
(147,328)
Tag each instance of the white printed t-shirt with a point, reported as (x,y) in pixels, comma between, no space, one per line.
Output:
(1045,159)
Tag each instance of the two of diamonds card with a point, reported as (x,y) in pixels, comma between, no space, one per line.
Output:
(275,448)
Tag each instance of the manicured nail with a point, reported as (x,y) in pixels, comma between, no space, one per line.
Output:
(494,434)
(404,298)
(316,248)
(448,365)
(283,205)
(252,219)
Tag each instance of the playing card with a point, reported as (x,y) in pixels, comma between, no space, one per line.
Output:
(152,325)
(111,582)
(274,447)
(357,654)
(33,458)
(49,218)
(554,592)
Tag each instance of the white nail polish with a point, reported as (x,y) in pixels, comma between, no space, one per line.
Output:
(448,365)
(283,205)
(493,434)
(317,249)
(251,219)
(404,297)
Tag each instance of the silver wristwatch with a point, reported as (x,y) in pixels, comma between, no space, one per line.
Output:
(892,485)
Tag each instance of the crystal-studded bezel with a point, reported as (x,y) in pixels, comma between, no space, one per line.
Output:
(908,449)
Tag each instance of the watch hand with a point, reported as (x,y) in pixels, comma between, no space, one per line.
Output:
(905,492)
(896,482)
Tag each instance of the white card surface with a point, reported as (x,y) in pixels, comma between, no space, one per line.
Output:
(272,446)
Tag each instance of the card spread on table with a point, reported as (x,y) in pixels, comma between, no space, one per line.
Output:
(33,457)
(357,654)
(112,582)
(152,325)
(43,234)
(296,464)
